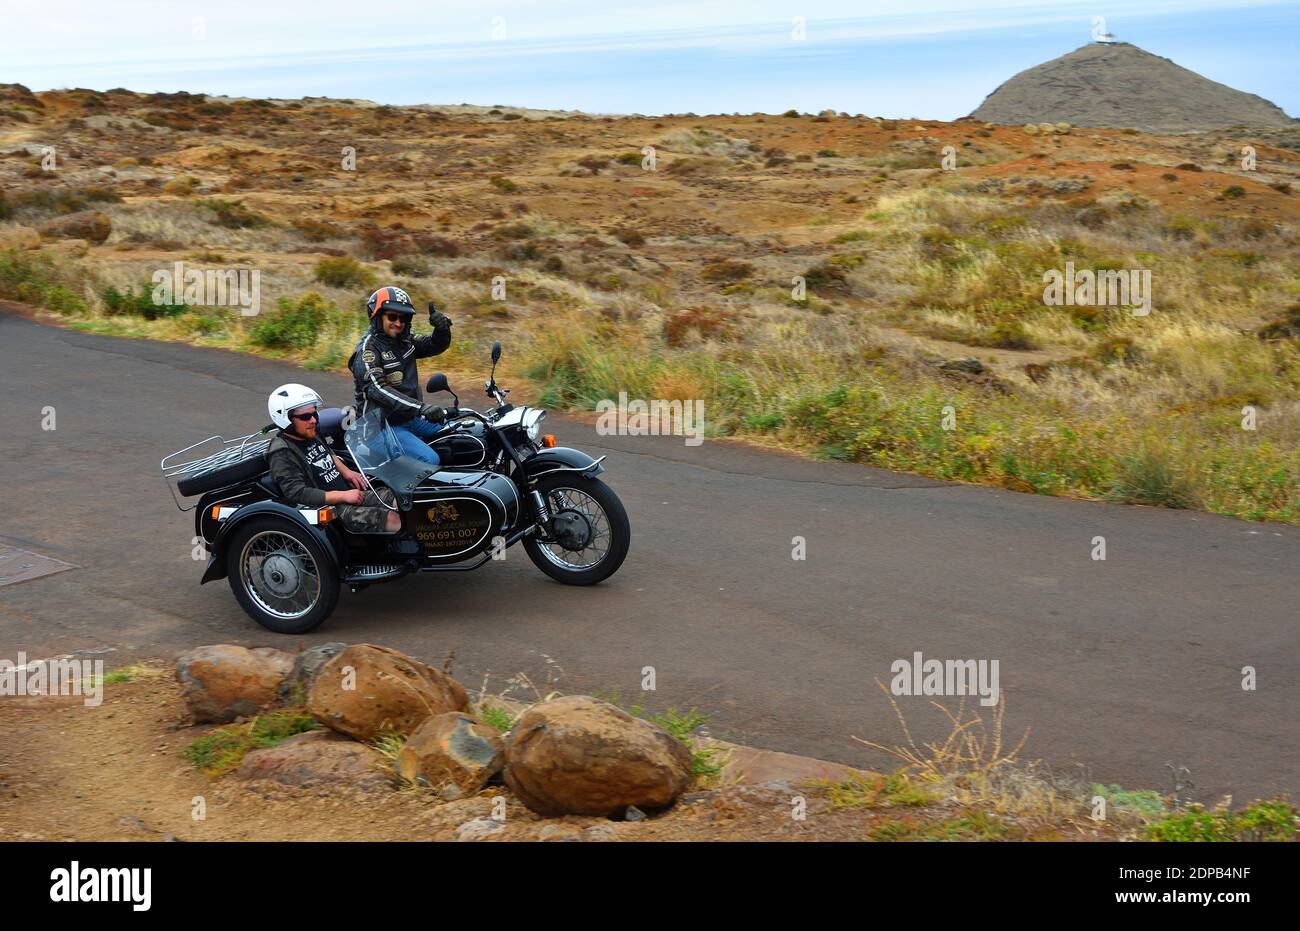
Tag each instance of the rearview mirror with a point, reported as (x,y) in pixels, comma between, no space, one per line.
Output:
(437,382)
(496,351)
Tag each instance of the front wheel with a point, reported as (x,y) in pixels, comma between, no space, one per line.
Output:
(280,577)
(591,530)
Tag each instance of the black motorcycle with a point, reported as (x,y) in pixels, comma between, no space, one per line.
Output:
(500,482)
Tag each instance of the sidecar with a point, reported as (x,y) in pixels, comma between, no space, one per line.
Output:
(285,562)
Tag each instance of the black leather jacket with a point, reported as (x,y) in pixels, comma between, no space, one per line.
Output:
(384,371)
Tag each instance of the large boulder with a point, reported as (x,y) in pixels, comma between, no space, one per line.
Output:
(306,666)
(367,690)
(452,752)
(91,225)
(577,755)
(317,758)
(223,682)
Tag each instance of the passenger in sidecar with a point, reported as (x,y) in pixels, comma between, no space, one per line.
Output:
(308,472)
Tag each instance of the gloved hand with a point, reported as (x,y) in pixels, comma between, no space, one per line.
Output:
(437,319)
(433,413)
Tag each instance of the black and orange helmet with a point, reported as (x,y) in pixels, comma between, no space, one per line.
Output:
(391,298)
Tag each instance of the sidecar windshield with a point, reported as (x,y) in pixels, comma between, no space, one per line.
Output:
(371,441)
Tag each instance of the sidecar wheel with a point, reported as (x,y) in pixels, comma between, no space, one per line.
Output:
(280,577)
(595,530)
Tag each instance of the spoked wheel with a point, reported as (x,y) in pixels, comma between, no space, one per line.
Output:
(280,577)
(591,533)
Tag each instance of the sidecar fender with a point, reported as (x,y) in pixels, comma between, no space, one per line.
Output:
(216,568)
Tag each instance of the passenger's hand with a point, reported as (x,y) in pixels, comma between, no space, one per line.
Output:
(351,496)
(356,480)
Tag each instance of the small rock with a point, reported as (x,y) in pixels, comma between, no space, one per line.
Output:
(558,832)
(969,365)
(223,682)
(600,832)
(306,665)
(634,814)
(453,749)
(479,829)
(317,758)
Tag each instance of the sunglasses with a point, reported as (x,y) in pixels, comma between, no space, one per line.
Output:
(310,416)
(394,318)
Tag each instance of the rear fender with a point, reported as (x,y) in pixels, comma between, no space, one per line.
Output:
(330,542)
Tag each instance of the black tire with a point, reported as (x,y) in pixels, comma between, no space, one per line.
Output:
(619,530)
(291,557)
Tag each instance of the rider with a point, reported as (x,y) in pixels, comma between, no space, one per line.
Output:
(384,371)
(309,474)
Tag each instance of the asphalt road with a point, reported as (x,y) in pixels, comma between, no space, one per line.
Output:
(1122,665)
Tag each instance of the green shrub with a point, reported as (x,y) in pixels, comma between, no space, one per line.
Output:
(221,750)
(515,231)
(35,279)
(234,214)
(295,325)
(1260,821)
(726,271)
(1149,477)
(64,200)
(129,303)
(406,265)
(344,272)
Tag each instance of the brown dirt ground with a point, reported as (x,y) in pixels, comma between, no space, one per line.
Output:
(115,772)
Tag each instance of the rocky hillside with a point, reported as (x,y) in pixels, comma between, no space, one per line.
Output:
(1121,85)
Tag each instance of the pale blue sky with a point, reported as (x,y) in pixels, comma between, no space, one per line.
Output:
(924,58)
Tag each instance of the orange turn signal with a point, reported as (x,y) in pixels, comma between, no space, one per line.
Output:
(548,441)
(216,512)
(324,515)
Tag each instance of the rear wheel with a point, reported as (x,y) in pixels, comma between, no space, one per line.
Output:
(280,576)
(591,530)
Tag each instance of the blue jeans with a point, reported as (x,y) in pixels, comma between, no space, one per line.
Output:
(411,436)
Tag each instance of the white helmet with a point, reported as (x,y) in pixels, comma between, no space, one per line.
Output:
(289,398)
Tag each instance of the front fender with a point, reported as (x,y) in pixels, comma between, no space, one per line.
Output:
(562,459)
(329,541)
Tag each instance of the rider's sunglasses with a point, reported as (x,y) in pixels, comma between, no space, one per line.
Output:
(393,318)
(311,415)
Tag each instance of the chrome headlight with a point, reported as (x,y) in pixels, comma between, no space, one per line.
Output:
(533,425)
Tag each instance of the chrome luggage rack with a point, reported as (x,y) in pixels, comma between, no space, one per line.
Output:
(229,453)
